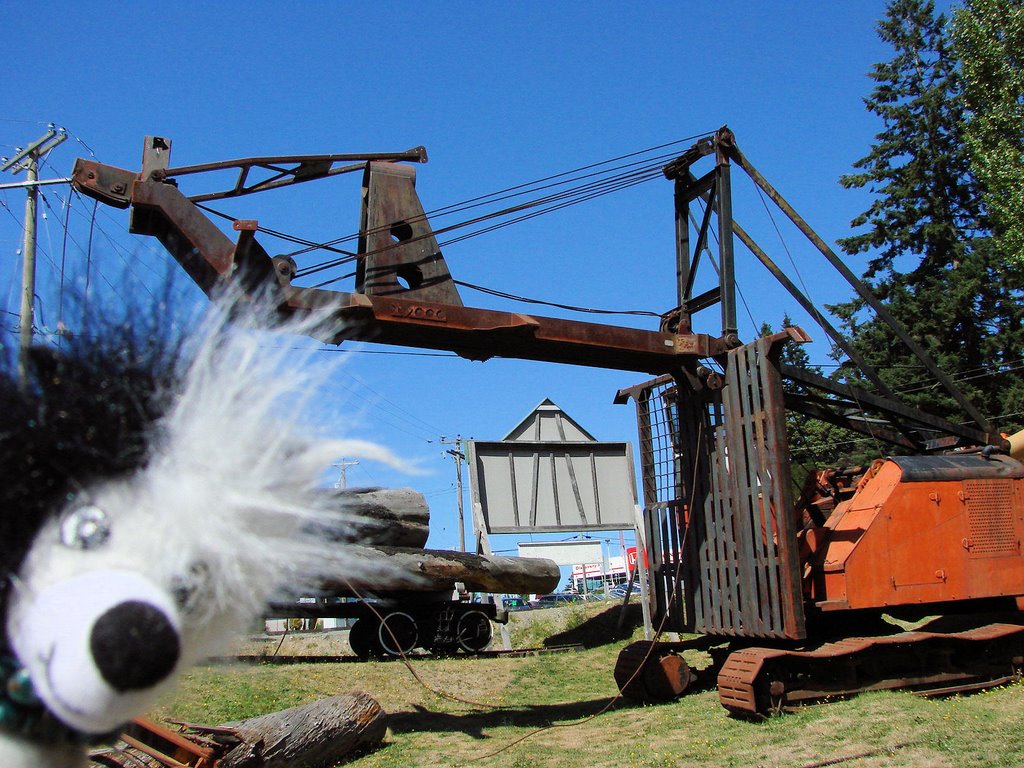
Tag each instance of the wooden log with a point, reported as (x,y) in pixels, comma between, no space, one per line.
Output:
(433,570)
(315,735)
(397,517)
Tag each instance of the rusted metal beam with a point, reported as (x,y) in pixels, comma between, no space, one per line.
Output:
(863,400)
(727,144)
(210,257)
(480,334)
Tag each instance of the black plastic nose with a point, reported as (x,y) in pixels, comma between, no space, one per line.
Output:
(134,645)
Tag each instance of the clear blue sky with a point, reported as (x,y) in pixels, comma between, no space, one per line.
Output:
(499,94)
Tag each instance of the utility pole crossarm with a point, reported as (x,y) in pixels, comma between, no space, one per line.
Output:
(27,160)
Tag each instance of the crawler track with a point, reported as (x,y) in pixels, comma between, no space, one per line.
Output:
(758,681)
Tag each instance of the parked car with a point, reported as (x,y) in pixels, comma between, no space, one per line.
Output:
(556,598)
(619,591)
(515,604)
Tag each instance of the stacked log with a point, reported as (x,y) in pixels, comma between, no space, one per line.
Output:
(398,517)
(387,528)
(434,570)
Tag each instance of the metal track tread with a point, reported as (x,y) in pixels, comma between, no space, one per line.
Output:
(760,681)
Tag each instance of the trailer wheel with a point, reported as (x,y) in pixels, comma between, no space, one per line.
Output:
(474,631)
(362,638)
(398,634)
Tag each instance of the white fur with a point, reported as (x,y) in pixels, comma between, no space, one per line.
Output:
(16,752)
(221,507)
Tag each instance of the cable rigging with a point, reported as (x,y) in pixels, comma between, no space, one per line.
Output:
(563,190)
(536,186)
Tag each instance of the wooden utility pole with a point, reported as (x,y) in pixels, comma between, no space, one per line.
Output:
(27,160)
(459,456)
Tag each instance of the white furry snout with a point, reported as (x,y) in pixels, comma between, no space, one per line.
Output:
(99,647)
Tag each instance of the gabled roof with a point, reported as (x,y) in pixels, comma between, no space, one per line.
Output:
(549,423)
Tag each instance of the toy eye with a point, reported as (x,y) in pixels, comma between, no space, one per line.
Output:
(86,527)
(185,588)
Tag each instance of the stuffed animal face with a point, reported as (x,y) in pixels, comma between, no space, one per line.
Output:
(155,499)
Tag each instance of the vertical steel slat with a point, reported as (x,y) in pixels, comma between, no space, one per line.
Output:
(758,480)
(745,588)
(769,481)
(722,554)
(697,417)
(790,590)
(647,462)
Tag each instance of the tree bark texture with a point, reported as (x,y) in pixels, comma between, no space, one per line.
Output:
(315,735)
(397,517)
(432,570)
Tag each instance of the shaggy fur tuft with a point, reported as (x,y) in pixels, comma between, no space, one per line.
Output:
(163,483)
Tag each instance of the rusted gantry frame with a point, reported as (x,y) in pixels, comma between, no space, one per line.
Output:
(903,426)
(404,295)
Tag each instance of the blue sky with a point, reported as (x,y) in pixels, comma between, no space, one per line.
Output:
(499,94)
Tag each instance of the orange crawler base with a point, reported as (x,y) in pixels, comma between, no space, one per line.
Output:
(921,530)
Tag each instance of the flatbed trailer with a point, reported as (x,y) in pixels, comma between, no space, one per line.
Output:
(398,624)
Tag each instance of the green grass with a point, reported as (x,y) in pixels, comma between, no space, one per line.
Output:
(570,690)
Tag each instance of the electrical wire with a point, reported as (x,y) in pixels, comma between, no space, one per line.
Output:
(571,307)
(533,186)
(546,204)
(63,265)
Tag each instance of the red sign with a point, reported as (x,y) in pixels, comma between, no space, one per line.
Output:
(631,555)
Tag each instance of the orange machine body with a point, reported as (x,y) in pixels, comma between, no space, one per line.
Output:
(922,529)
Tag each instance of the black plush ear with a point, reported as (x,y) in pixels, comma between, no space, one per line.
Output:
(85,412)
(97,406)
(24,482)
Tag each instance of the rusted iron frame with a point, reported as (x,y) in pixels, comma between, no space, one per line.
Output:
(209,257)
(717,185)
(307,168)
(154,741)
(687,264)
(699,186)
(841,341)
(736,579)
(397,247)
(756,488)
(726,143)
(641,395)
(698,411)
(823,410)
(860,399)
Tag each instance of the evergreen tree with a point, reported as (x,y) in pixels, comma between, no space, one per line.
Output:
(988,38)
(926,232)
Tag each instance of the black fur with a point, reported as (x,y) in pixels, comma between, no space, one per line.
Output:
(87,411)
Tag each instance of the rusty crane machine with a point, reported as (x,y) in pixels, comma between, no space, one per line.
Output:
(785,597)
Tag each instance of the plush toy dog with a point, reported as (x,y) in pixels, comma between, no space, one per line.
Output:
(154,496)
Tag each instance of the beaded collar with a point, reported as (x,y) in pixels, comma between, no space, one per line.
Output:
(23,714)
